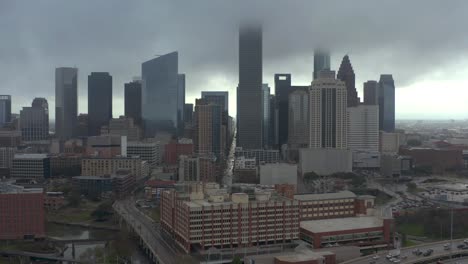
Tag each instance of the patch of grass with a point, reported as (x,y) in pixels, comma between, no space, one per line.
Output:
(29,246)
(74,215)
(409,243)
(155,214)
(411,229)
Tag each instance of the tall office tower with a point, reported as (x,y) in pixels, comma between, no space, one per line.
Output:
(386,103)
(346,74)
(34,120)
(133,101)
(208,123)
(321,61)
(249,90)
(160,86)
(217,97)
(371,93)
(328,112)
(99,101)
(363,127)
(82,125)
(298,121)
(188,113)
(266,114)
(282,90)
(180,103)
(273,121)
(5,109)
(66,102)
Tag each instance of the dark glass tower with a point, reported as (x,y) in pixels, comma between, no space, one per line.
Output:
(99,101)
(188,113)
(180,103)
(66,102)
(346,74)
(133,101)
(371,93)
(5,109)
(282,90)
(160,90)
(249,90)
(386,103)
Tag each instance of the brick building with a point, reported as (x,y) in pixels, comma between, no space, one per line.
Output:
(176,148)
(439,160)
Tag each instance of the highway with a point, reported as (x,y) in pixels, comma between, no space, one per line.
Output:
(406,255)
(146,229)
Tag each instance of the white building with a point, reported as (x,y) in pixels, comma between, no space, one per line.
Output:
(245,163)
(363,127)
(147,150)
(328,112)
(278,173)
(325,161)
(298,121)
(261,155)
(389,142)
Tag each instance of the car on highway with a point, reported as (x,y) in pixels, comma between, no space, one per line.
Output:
(447,246)
(428,252)
(376,257)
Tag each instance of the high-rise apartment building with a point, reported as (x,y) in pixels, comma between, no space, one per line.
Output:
(133,101)
(282,90)
(387,103)
(160,89)
(321,62)
(298,121)
(249,90)
(5,109)
(208,124)
(66,102)
(346,74)
(371,93)
(328,112)
(363,129)
(99,101)
(34,120)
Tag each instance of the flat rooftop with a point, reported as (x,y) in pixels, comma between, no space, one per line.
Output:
(30,156)
(10,188)
(325,196)
(341,224)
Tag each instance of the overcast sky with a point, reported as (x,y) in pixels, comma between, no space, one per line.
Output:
(423,43)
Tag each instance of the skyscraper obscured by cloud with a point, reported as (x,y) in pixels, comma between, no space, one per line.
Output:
(99,101)
(321,61)
(66,102)
(249,90)
(386,103)
(160,86)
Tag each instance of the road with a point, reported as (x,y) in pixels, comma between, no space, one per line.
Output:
(227,177)
(147,230)
(438,248)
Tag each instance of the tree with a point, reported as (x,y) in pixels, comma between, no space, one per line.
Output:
(74,199)
(411,186)
(413,142)
(236,260)
(310,176)
(103,211)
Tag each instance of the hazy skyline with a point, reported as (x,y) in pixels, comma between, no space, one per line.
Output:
(422,43)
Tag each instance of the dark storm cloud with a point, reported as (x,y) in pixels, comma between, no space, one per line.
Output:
(407,38)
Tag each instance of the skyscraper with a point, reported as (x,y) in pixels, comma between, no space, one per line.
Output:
(363,129)
(5,109)
(66,102)
(208,122)
(217,97)
(188,113)
(346,74)
(273,121)
(249,90)
(321,61)
(34,120)
(282,90)
(371,93)
(266,114)
(328,112)
(386,103)
(99,101)
(298,121)
(160,86)
(180,103)
(133,101)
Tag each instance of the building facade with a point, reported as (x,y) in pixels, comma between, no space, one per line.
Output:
(282,90)
(31,166)
(123,126)
(321,62)
(249,90)
(99,101)
(149,151)
(160,89)
(298,120)
(386,103)
(66,102)
(363,129)
(328,112)
(371,93)
(109,166)
(5,109)
(34,120)
(261,155)
(346,74)
(133,101)
(208,128)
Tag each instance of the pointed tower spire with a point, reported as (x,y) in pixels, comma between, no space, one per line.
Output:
(346,74)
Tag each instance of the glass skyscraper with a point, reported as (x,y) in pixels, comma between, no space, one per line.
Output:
(5,109)
(99,101)
(386,103)
(321,62)
(66,102)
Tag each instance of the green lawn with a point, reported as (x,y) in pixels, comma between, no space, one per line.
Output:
(409,243)
(79,214)
(411,229)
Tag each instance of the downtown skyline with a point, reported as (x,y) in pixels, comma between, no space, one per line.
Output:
(210,67)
